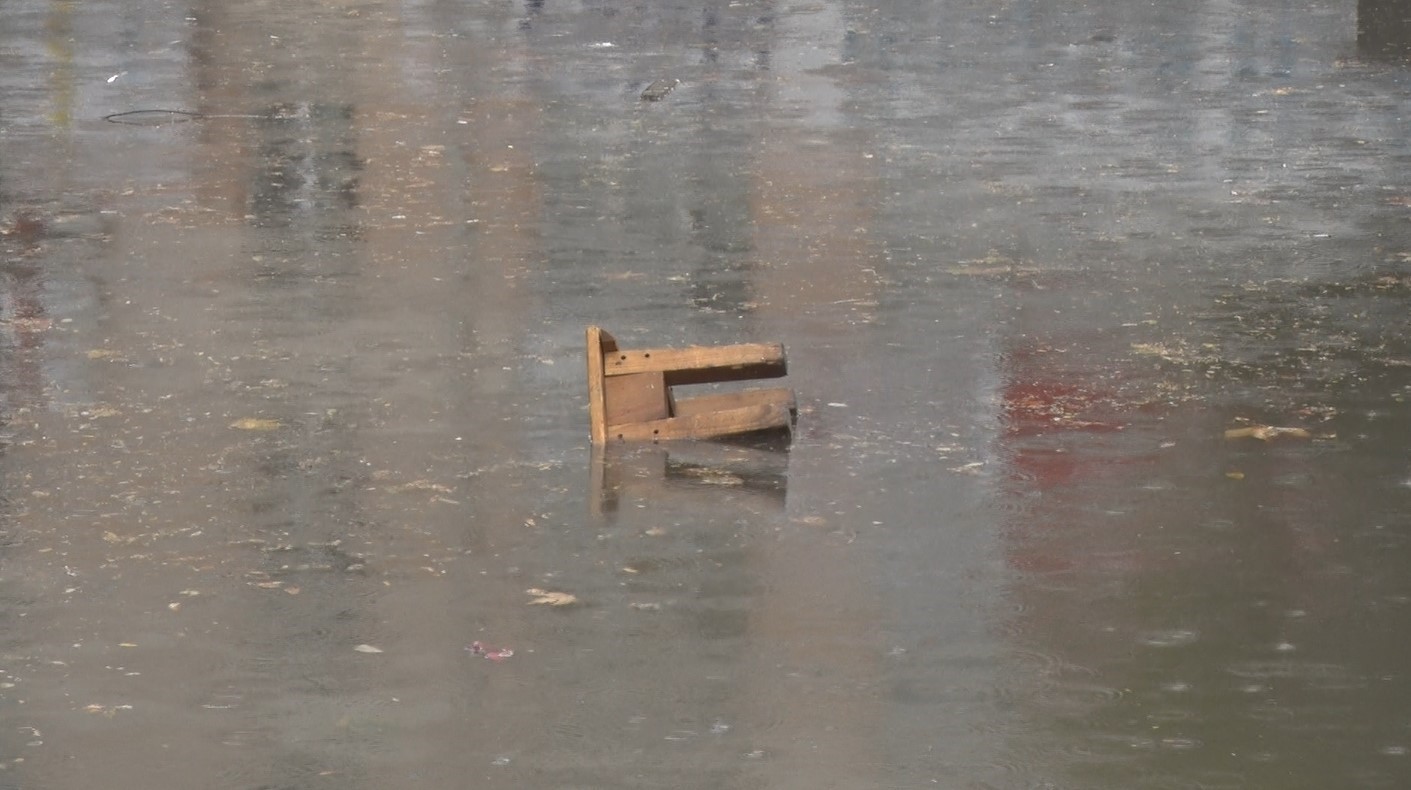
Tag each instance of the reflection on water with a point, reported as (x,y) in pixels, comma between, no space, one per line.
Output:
(292,408)
(718,472)
(1383,29)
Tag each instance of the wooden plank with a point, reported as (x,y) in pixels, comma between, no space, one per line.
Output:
(636,398)
(701,364)
(597,413)
(606,341)
(705,426)
(724,401)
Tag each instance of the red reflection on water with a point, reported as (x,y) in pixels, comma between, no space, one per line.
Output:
(1040,399)
(1054,420)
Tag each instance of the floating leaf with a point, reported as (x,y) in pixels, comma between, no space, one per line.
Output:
(368,649)
(255,424)
(549,598)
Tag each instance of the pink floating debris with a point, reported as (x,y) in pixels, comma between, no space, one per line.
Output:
(492,653)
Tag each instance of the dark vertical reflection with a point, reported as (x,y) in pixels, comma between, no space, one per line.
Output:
(277,234)
(309,166)
(25,317)
(1384,29)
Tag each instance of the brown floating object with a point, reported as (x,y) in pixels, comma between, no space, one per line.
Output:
(630,396)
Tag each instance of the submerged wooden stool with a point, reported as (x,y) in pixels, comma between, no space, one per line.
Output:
(630,396)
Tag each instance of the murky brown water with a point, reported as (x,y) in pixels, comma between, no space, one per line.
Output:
(292,406)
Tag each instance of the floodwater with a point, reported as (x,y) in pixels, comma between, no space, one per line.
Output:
(1097,314)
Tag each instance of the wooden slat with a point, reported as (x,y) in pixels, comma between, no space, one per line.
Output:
(705,426)
(597,411)
(636,398)
(723,401)
(701,364)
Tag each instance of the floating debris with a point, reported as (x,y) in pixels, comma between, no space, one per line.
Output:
(421,485)
(255,424)
(550,598)
(1267,433)
(105,710)
(658,89)
(492,653)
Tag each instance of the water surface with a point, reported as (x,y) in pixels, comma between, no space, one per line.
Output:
(292,407)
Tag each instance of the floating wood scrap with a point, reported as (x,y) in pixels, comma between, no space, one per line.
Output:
(630,394)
